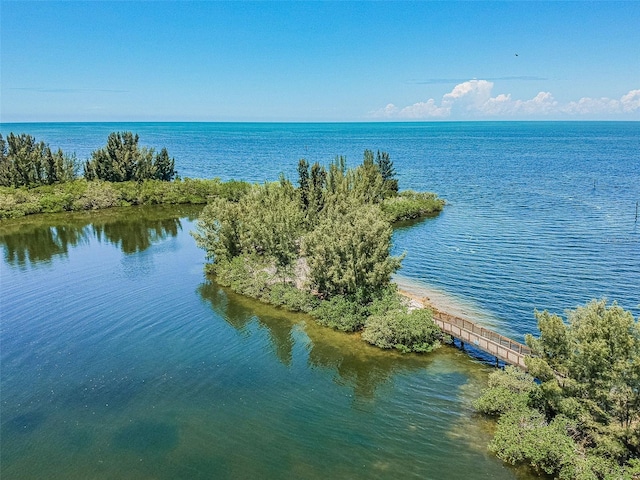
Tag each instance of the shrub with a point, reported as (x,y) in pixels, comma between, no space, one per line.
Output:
(97,195)
(508,389)
(523,436)
(91,195)
(129,192)
(409,205)
(341,313)
(56,202)
(388,299)
(292,298)
(412,331)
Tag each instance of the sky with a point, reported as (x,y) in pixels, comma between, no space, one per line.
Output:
(318,61)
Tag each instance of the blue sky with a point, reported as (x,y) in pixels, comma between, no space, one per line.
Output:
(319,61)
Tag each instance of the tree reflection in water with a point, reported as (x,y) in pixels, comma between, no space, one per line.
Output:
(356,364)
(240,312)
(39,238)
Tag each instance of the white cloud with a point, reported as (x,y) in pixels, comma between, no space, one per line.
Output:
(424,109)
(631,101)
(473,99)
(587,105)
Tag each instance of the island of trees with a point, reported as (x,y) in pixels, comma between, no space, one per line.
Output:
(323,247)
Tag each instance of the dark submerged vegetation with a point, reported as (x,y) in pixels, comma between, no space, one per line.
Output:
(576,414)
(323,247)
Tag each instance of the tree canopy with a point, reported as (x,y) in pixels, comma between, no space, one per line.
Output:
(27,163)
(332,223)
(581,417)
(123,160)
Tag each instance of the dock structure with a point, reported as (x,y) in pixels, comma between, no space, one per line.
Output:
(501,347)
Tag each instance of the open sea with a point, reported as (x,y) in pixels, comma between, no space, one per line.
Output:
(120,359)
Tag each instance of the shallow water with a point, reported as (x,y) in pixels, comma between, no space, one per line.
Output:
(120,360)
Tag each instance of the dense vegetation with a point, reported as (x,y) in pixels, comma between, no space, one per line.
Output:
(122,160)
(81,194)
(27,163)
(580,417)
(323,247)
(33,179)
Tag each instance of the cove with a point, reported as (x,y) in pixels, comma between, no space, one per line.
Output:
(121,360)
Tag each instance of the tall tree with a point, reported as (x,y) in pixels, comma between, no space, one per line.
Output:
(316,191)
(303,182)
(164,166)
(29,163)
(349,252)
(388,172)
(6,172)
(580,417)
(590,371)
(267,222)
(123,160)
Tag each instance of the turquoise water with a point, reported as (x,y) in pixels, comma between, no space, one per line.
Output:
(120,360)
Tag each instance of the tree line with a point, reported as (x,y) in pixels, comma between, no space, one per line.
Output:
(24,162)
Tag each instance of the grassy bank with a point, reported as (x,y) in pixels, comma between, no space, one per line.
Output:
(79,195)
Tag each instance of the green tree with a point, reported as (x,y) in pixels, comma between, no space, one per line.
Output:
(164,166)
(303,182)
(581,419)
(365,182)
(219,230)
(336,176)
(267,222)
(273,222)
(388,173)
(590,366)
(28,163)
(6,174)
(349,252)
(26,158)
(123,160)
(317,186)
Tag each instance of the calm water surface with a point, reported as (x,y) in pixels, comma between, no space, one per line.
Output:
(120,360)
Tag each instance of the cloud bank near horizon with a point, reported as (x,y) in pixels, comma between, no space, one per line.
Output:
(473,100)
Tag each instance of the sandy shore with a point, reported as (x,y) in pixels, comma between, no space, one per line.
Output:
(421,295)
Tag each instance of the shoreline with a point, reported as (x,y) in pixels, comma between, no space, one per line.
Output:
(426,295)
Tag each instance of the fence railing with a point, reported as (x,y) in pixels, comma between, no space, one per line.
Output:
(483,332)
